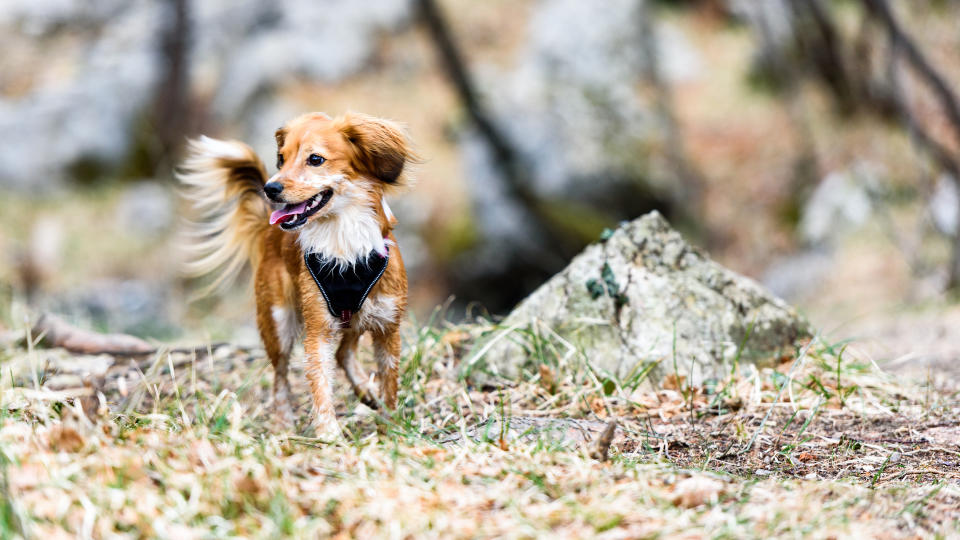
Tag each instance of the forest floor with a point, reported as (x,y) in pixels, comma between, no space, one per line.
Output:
(183,444)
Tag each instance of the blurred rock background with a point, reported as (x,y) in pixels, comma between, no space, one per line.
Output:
(803,143)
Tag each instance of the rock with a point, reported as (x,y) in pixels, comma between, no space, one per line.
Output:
(119,305)
(146,208)
(573,102)
(944,205)
(799,275)
(644,297)
(772,21)
(261,48)
(839,204)
(101,54)
(105,55)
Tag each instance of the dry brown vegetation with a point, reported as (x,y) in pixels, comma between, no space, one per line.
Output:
(182,444)
(179,444)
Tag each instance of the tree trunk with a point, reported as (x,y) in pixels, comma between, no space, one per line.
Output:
(171,102)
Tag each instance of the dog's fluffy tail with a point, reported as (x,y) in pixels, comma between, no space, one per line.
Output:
(223,183)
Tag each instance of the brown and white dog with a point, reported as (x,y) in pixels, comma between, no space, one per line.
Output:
(326,201)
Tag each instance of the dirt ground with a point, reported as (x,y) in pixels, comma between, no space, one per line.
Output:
(869,451)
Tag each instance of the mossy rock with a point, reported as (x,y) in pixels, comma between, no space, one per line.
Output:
(644,297)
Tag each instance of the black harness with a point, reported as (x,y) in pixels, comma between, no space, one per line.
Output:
(346,289)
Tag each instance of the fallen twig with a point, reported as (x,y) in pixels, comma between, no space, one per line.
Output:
(602,450)
(56,332)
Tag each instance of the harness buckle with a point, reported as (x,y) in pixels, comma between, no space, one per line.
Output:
(345,317)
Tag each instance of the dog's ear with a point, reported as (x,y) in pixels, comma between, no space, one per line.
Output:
(281,136)
(380,147)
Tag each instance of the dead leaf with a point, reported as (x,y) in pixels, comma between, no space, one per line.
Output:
(673,382)
(247,484)
(596,404)
(202,453)
(454,339)
(547,380)
(733,403)
(695,491)
(64,439)
(428,451)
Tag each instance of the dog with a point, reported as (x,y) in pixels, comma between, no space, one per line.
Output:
(318,235)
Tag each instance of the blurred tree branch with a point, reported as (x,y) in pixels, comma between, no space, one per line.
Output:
(513,166)
(845,72)
(171,101)
(507,160)
(903,45)
(557,226)
(827,54)
(880,10)
(690,181)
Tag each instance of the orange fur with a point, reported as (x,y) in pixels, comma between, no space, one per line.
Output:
(364,157)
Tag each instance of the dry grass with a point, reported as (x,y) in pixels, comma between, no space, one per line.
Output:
(183,445)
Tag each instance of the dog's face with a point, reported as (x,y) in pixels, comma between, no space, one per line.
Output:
(326,165)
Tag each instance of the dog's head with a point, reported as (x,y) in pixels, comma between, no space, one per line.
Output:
(325,165)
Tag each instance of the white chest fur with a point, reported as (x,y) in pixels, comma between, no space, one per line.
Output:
(349,234)
(346,237)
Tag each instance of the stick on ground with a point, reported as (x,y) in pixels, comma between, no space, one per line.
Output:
(602,450)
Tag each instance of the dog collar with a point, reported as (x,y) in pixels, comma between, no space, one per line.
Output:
(345,289)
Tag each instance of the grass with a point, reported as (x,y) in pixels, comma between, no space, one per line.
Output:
(185,446)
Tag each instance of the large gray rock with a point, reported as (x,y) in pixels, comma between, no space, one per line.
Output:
(104,54)
(643,298)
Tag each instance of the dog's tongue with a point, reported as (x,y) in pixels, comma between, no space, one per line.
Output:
(289,210)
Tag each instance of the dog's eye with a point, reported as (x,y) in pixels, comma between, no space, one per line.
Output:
(279,161)
(315,160)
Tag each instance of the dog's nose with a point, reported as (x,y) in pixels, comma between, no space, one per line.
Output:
(273,189)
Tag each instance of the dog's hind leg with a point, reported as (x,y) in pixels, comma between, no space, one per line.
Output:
(347,360)
(279,328)
(386,349)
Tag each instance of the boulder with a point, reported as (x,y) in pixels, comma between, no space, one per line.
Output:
(643,301)
(76,51)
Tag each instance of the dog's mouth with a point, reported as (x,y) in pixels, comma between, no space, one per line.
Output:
(291,216)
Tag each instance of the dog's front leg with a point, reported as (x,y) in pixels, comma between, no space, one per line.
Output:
(320,350)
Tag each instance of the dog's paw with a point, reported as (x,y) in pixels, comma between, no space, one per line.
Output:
(367,394)
(327,428)
(283,415)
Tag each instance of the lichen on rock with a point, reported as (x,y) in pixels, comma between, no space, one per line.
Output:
(644,297)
